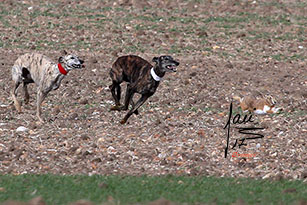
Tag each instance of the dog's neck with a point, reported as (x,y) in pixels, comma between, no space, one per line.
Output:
(62,69)
(156,74)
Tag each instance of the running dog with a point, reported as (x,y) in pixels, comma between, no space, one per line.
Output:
(47,75)
(142,78)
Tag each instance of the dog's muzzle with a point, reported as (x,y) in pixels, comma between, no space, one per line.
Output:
(172,67)
(78,66)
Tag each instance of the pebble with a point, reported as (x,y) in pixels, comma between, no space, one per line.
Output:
(22,129)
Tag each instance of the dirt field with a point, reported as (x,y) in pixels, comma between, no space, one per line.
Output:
(225,48)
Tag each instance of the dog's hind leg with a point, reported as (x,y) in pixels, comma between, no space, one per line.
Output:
(26,93)
(139,103)
(117,78)
(116,93)
(17,79)
(14,96)
(128,98)
(40,98)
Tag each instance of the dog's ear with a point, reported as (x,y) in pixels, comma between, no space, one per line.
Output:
(61,60)
(63,52)
(155,59)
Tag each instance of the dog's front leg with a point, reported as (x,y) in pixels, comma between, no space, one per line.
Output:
(40,98)
(139,103)
(26,93)
(132,104)
(128,97)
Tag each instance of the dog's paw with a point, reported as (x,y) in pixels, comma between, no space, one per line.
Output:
(123,107)
(123,121)
(116,107)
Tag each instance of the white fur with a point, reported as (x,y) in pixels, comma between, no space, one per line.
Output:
(154,75)
(266,108)
(262,112)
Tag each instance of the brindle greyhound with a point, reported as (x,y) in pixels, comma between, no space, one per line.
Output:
(39,69)
(142,78)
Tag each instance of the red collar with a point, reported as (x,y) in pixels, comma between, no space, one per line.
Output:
(61,69)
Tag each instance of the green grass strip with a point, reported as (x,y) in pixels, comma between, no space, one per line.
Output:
(57,189)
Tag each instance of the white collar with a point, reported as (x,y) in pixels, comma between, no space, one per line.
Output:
(154,75)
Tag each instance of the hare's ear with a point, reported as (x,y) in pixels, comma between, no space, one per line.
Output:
(61,60)
(155,59)
(273,100)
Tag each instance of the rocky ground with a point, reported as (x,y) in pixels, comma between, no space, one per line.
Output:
(224,49)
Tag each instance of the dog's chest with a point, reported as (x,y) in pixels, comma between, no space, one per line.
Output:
(52,78)
(147,86)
